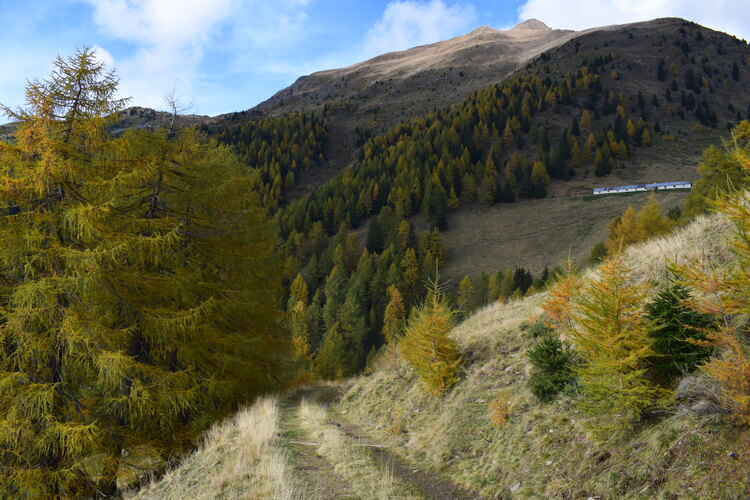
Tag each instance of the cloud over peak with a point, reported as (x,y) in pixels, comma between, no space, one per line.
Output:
(408,23)
(724,15)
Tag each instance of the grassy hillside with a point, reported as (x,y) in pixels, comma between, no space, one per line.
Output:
(545,450)
(619,105)
(376,435)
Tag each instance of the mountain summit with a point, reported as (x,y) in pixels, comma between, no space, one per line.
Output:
(531,24)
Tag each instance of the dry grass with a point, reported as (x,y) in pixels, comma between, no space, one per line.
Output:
(541,451)
(544,451)
(353,463)
(702,241)
(537,233)
(239,458)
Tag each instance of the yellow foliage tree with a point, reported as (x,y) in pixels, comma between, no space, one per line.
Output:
(426,344)
(394,315)
(140,290)
(650,221)
(606,323)
(586,119)
(623,231)
(727,294)
(633,227)
(559,306)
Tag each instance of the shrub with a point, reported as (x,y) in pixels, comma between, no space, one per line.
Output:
(675,329)
(553,362)
(500,410)
(539,329)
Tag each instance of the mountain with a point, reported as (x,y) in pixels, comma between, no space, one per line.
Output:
(411,82)
(624,380)
(681,82)
(145,118)
(494,190)
(367,98)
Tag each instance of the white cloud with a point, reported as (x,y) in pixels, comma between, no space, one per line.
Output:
(730,16)
(170,39)
(408,23)
(161,23)
(258,24)
(104,56)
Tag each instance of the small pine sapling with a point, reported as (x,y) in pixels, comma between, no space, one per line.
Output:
(675,328)
(553,363)
(426,345)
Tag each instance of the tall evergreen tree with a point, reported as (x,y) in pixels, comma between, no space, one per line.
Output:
(138,297)
(375,236)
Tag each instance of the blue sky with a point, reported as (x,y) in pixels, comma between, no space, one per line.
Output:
(229,55)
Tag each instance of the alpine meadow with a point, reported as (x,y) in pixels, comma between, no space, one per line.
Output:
(397,279)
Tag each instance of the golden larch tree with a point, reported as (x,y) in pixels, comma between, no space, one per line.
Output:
(138,291)
(427,346)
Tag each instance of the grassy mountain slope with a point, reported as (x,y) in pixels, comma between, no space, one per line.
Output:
(368,98)
(534,233)
(677,81)
(542,451)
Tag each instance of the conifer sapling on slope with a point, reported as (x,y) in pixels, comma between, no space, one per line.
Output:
(675,327)
(426,344)
(606,323)
(553,363)
(137,292)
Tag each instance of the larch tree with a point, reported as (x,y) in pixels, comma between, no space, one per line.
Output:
(623,231)
(609,329)
(394,315)
(426,344)
(721,173)
(137,290)
(650,220)
(726,294)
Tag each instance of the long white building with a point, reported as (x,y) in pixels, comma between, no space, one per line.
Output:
(656,186)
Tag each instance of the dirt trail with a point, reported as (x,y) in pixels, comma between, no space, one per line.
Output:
(427,482)
(313,471)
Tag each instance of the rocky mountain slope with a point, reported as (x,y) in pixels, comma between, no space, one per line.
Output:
(400,85)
